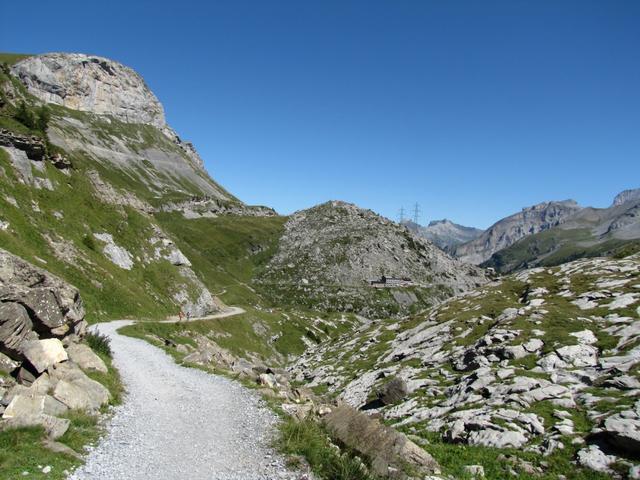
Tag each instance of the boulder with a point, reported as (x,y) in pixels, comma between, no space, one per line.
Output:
(54,307)
(15,329)
(75,389)
(7,365)
(53,426)
(86,358)
(594,458)
(393,392)
(622,432)
(42,354)
(75,396)
(387,449)
(33,404)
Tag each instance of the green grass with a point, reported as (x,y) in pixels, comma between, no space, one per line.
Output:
(454,457)
(228,251)
(12,58)
(309,440)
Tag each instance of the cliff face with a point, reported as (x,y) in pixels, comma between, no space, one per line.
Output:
(509,230)
(90,84)
(108,112)
(626,196)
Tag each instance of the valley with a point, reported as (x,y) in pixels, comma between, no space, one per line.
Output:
(330,343)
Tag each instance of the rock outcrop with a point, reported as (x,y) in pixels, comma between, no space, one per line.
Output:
(509,230)
(41,323)
(625,196)
(91,84)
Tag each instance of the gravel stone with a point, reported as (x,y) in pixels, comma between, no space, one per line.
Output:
(178,423)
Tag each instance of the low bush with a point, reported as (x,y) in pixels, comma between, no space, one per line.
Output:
(99,343)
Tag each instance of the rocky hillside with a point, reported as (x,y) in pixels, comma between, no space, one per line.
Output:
(444,233)
(509,230)
(89,170)
(587,233)
(535,375)
(328,254)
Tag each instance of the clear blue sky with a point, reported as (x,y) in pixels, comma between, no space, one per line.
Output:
(472,108)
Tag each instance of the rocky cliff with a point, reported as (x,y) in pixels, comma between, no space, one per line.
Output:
(106,110)
(90,84)
(626,196)
(509,230)
(332,251)
(444,233)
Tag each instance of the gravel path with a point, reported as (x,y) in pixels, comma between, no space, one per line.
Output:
(181,423)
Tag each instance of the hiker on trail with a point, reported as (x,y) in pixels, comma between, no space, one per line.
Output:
(181,315)
(188,316)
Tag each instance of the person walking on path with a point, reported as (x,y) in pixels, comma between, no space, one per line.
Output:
(181,316)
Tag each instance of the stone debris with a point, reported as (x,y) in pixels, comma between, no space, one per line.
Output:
(41,323)
(480,378)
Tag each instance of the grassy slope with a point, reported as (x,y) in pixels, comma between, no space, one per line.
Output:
(11,58)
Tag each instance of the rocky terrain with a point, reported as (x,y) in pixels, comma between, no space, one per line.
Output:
(418,361)
(509,230)
(588,232)
(42,359)
(330,253)
(444,233)
(544,361)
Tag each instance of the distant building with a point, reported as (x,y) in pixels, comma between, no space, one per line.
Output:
(389,282)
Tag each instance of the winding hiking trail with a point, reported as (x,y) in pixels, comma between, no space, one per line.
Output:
(181,423)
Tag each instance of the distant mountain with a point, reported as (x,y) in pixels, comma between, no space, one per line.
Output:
(509,230)
(589,232)
(626,196)
(444,233)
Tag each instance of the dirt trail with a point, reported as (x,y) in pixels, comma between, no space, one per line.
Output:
(178,423)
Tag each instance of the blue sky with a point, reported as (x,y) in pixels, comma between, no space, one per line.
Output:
(473,109)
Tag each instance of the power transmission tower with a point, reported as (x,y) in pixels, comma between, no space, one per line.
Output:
(401,215)
(416,213)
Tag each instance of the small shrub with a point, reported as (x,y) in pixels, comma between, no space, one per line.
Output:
(308,439)
(99,343)
(89,242)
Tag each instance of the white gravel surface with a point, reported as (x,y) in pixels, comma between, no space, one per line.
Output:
(181,423)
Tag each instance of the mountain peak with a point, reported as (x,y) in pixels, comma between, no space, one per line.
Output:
(626,196)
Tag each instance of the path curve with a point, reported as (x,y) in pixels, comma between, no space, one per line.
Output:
(227,312)
(180,423)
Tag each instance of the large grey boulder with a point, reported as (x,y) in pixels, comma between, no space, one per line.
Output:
(53,426)
(15,329)
(75,389)
(85,358)
(34,404)
(53,306)
(42,354)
